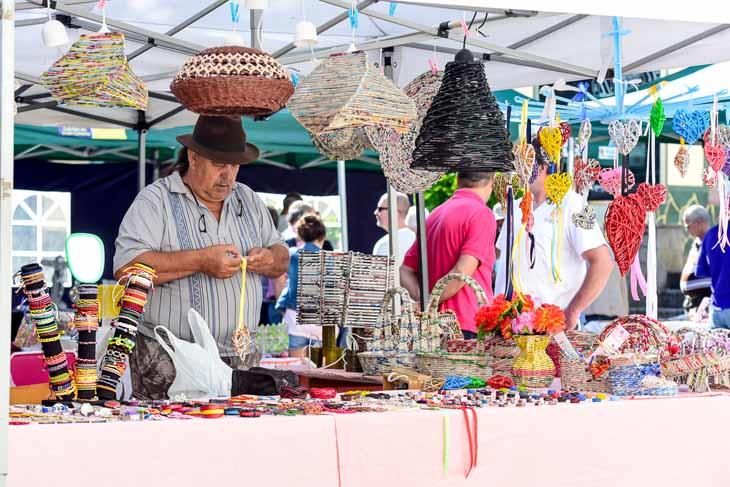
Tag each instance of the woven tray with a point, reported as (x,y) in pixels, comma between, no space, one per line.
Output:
(443,364)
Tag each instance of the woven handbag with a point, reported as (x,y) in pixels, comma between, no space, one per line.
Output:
(391,345)
(95,73)
(233,81)
(347,91)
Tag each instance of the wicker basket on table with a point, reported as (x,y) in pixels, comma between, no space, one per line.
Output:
(648,343)
(703,360)
(438,327)
(574,373)
(391,345)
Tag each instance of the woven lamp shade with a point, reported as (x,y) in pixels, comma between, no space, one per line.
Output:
(95,73)
(347,91)
(396,150)
(341,144)
(464,129)
(233,81)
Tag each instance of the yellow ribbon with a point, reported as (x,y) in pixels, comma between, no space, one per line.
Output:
(523,123)
(242,337)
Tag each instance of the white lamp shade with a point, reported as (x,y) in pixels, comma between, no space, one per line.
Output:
(257,4)
(54,34)
(85,257)
(233,39)
(306,34)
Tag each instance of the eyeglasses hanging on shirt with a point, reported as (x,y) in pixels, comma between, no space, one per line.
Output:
(202,226)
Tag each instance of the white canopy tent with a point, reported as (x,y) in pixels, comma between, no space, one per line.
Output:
(519,47)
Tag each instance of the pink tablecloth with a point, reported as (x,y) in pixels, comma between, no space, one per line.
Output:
(667,442)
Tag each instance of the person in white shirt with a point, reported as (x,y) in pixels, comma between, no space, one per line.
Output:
(406,236)
(583,261)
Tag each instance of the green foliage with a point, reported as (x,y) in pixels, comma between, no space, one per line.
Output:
(440,191)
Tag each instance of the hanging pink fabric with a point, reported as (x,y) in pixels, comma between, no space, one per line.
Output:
(637,279)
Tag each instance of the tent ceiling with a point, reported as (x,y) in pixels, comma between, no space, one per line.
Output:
(525,47)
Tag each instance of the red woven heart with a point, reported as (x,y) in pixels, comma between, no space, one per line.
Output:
(585,174)
(565,131)
(625,224)
(653,196)
(715,155)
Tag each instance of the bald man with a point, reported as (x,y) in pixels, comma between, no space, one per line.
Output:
(406,236)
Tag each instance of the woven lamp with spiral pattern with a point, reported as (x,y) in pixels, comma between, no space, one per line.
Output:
(233,81)
(347,91)
(464,130)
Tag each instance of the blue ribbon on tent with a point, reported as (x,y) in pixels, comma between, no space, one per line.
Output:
(354,16)
(391,10)
(234,8)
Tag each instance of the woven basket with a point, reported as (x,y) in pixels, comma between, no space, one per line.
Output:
(533,367)
(628,371)
(234,81)
(444,364)
(703,361)
(379,363)
(574,374)
(341,144)
(347,91)
(501,355)
(95,73)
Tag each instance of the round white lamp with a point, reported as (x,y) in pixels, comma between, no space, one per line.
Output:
(233,39)
(306,34)
(54,33)
(257,4)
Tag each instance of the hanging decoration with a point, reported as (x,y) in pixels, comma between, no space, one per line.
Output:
(611,180)
(557,186)
(624,135)
(716,155)
(551,140)
(585,174)
(95,73)
(657,117)
(347,91)
(464,129)
(681,160)
(233,81)
(584,134)
(690,125)
(502,181)
(524,151)
(341,144)
(396,150)
(585,218)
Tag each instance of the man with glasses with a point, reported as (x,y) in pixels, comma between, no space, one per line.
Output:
(695,289)
(406,236)
(193,227)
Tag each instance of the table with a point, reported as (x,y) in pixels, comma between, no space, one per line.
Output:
(668,442)
(339,379)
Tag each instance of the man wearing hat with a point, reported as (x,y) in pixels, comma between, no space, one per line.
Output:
(193,227)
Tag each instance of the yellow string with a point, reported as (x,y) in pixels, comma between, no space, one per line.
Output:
(523,123)
(516,250)
(242,302)
(242,337)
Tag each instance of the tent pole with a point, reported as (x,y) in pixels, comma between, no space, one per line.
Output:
(342,192)
(142,159)
(7,116)
(392,197)
(422,249)
(255,20)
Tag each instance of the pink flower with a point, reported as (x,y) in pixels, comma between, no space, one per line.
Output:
(524,324)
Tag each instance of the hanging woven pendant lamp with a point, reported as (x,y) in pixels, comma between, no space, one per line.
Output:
(347,91)
(95,73)
(464,129)
(341,144)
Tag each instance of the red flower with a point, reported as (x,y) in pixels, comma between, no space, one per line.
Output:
(549,320)
(506,328)
(487,318)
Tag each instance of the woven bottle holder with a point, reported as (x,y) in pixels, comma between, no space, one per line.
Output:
(233,81)
(95,73)
(347,91)
(391,345)
(533,367)
(438,327)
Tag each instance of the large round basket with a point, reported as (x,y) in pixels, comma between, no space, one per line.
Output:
(234,81)
(443,364)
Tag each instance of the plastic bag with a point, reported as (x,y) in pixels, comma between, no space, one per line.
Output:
(199,371)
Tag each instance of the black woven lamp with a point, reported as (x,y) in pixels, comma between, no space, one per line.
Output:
(464,129)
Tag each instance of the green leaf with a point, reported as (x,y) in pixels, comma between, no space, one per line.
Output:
(657,117)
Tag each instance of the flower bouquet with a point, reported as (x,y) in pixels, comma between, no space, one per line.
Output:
(531,327)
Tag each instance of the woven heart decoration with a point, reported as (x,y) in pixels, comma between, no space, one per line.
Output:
(657,117)
(585,132)
(557,186)
(726,167)
(653,195)
(585,173)
(526,208)
(551,139)
(723,135)
(625,135)
(524,161)
(690,125)
(610,180)
(709,177)
(681,160)
(625,224)
(565,131)
(585,218)
(716,155)
(501,181)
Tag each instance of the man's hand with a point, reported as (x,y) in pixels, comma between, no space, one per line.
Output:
(572,318)
(221,261)
(260,260)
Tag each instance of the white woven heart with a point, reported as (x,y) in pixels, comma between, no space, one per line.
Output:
(585,132)
(625,135)
(723,135)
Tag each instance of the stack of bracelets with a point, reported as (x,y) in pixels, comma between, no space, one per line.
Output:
(43,316)
(86,322)
(138,284)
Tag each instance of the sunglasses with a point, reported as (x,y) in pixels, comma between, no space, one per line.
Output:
(382,208)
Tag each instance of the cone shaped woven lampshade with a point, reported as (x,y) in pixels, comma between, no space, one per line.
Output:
(95,73)
(234,81)
(464,129)
(396,150)
(347,91)
(341,144)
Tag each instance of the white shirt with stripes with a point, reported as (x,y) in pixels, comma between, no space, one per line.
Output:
(164,217)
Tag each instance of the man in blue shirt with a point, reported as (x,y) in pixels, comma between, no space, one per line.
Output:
(714,263)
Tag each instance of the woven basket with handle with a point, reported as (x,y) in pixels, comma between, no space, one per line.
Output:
(703,360)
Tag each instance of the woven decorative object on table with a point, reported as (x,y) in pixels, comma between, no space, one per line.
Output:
(341,144)
(464,129)
(627,373)
(442,364)
(95,73)
(574,374)
(703,359)
(396,150)
(347,91)
(86,322)
(342,289)
(533,367)
(233,80)
(501,353)
(393,338)
(43,315)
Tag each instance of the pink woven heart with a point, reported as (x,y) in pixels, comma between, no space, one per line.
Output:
(715,155)
(610,180)
(709,176)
